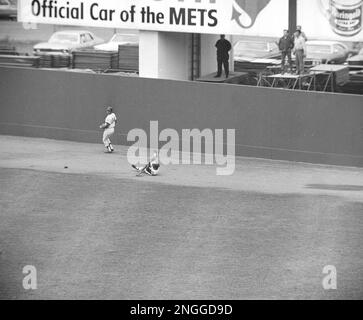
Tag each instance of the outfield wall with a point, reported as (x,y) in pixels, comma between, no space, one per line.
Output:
(270,123)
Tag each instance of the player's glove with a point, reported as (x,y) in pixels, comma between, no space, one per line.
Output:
(103,126)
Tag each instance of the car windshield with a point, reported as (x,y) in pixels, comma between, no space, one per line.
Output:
(313,48)
(124,38)
(63,37)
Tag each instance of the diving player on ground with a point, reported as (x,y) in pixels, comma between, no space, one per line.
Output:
(152,168)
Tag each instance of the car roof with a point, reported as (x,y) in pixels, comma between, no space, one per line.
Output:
(254,41)
(72,32)
(323,42)
(126,34)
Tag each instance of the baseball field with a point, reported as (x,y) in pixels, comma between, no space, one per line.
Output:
(93,230)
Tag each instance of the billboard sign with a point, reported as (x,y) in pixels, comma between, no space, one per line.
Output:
(244,17)
(331,19)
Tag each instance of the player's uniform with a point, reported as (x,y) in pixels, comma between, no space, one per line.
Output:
(109,131)
(152,168)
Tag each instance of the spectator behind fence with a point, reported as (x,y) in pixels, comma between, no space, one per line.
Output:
(302,33)
(300,51)
(223,47)
(286,44)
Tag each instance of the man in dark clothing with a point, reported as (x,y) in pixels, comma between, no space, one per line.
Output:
(286,44)
(223,47)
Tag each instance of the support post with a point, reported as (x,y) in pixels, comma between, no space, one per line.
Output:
(292,15)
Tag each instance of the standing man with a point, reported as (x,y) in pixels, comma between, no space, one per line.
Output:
(286,44)
(300,52)
(108,128)
(223,47)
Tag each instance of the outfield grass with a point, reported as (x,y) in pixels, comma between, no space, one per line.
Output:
(94,230)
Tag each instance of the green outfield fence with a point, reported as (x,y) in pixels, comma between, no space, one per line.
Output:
(270,123)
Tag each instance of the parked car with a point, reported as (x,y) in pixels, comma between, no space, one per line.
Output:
(327,52)
(357,59)
(64,42)
(251,50)
(8,10)
(117,40)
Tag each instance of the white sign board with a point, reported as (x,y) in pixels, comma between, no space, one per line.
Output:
(241,17)
(331,19)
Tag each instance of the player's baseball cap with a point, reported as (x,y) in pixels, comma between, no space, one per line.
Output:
(109,108)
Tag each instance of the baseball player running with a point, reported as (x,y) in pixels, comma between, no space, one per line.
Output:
(152,168)
(108,129)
